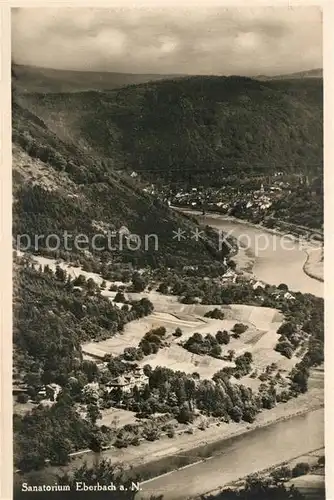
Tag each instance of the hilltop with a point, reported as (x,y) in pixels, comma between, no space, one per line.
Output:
(32,79)
(192,127)
(311,73)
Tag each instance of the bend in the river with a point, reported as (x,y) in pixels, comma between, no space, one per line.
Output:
(275,258)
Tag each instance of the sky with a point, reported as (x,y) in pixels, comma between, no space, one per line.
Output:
(197,40)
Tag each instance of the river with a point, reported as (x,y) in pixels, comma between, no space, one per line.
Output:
(276,259)
(241,456)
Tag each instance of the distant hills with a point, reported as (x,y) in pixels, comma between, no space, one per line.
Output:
(45,80)
(312,73)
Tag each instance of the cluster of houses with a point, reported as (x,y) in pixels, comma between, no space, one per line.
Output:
(225,198)
(229,277)
(277,293)
(232,276)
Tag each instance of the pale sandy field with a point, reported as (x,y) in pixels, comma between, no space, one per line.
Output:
(134,332)
(260,338)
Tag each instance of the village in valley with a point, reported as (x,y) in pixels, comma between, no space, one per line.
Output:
(258,193)
(260,199)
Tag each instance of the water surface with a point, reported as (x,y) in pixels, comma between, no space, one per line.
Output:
(243,455)
(277,259)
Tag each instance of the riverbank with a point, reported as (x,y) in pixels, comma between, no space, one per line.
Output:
(275,232)
(313,265)
(153,459)
(241,456)
(239,483)
(281,232)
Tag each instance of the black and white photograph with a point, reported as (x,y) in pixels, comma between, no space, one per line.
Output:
(168,252)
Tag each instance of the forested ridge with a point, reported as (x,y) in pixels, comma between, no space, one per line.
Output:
(183,127)
(57,187)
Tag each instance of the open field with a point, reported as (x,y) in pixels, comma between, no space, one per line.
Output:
(73,271)
(179,359)
(260,338)
(118,416)
(134,332)
(260,342)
